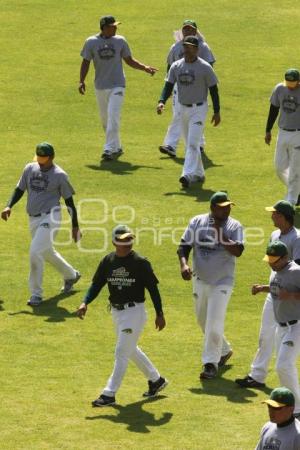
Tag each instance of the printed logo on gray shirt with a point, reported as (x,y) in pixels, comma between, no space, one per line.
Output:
(106,52)
(187,77)
(39,182)
(289,104)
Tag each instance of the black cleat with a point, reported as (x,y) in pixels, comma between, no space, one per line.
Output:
(167,150)
(184,182)
(225,358)
(104,400)
(210,371)
(249,382)
(155,387)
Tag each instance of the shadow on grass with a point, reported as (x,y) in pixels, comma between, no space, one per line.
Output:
(1,305)
(134,416)
(227,388)
(196,190)
(50,309)
(207,162)
(119,167)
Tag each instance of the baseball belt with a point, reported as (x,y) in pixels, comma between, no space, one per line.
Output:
(290,322)
(121,307)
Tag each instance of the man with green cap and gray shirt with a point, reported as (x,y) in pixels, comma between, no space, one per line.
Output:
(107,50)
(282,432)
(284,287)
(127,274)
(176,52)
(285,99)
(216,240)
(45,183)
(194,78)
(283,214)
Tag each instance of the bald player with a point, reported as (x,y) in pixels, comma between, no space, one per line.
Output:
(194,78)
(189,28)
(107,50)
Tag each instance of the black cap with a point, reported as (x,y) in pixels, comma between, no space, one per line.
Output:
(191,40)
(108,20)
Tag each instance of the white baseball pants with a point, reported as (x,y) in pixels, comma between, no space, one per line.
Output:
(260,364)
(192,123)
(288,349)
(110,103)
(129,324)
(210,308)
(43,230)
(174,130)
(287,162)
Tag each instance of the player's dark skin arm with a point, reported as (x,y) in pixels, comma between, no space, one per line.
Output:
(257,288)
(165,94)
(214,93)
(139,66)
(84,68)
(232,247)
(73,213)
(183,252)
(92,293)
(16,196)
(273,113)
(160,322)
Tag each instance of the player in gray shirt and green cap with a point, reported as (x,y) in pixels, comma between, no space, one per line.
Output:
(194,78)
(284,287)
(216,240)
(45,183)
(107,50)
(282,432)
(285,100)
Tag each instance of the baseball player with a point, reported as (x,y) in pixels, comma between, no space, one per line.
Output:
(284,287)
(189,28)
(45,183)
(283,214)
(194,77)
(127,274)
(282,432)
(285,99)
(107,50)
(216,240)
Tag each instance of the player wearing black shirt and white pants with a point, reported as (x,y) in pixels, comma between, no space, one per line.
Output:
(127,275)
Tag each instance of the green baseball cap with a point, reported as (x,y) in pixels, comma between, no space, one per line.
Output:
(283,207)
(220,199)
(43,151)
(292,75)
(279,397)
(189,23)
(275,251)
(122,232)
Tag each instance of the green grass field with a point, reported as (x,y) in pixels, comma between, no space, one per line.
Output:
(52,364)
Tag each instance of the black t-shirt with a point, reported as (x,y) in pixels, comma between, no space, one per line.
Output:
(126,277)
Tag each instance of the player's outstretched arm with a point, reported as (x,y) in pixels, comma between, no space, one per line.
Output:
(257,288)
(81,311)
(135,64)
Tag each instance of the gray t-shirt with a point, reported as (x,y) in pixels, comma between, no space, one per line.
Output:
(288,101)
(193,80)
(291,240)
(211,262)
(288,278)
(44,189)
(176,52)
(107,55)
(273,437)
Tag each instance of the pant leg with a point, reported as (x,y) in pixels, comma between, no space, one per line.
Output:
(174,130)
(294,168)
(102,96)
(195,115)
(44,229)
(129,324)
(217,301)
(260,364)
(115,101)
(281,157)
(288,351)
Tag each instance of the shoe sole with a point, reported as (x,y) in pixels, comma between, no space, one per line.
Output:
(103,406)
(63,291)
(165,152)
(203,376)
(252,385)
(34,304)
(158,390)
(225,359)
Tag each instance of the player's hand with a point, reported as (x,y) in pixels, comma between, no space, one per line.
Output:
(285,295)
(160,322)
(81,88)
(151,70)
(186,272)
(268,138)
(256,288)
(160,107)
(76,234)
(216,119)
(6,213)
(81,311)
